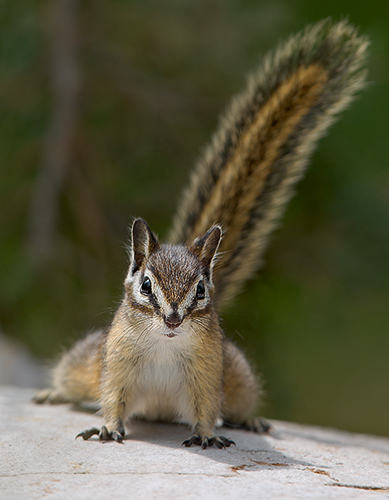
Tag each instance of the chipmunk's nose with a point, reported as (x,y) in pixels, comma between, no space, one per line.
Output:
(173,320)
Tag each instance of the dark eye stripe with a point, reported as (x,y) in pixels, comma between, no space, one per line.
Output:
(154,302)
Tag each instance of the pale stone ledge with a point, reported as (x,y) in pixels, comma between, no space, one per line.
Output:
(40,458)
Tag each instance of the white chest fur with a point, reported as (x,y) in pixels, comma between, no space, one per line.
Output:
(160,391)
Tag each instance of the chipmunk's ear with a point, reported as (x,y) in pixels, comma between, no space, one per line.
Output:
(205,248)
(144,243)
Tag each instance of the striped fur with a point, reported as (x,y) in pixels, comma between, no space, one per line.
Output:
(150,364)
(246,175)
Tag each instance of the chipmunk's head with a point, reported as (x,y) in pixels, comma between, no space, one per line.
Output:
(172,283)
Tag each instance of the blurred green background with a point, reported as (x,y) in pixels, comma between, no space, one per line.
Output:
(105,106)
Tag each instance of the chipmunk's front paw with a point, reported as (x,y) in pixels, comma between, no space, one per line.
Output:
(205,441)
(103,433)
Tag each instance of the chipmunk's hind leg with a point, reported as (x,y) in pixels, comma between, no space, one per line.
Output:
(253,424)
(76,377)
(241,392)
(50,396)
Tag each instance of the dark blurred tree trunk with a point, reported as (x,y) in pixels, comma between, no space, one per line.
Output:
(58,149)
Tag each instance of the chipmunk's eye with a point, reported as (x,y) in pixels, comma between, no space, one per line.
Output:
(200,292)
(146,286)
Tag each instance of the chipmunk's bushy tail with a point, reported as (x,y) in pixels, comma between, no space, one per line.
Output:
(246,175)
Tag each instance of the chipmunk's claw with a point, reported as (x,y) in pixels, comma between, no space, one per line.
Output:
(205,441)
(88,433)
(192,440)
(219,441)
(103,433)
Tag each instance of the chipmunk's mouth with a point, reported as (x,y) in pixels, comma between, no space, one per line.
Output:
(170,335)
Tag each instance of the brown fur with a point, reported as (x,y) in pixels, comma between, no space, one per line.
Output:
(241,388)
(247,174)
(76,378)
(165,356)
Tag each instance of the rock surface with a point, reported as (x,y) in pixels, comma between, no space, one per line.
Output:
(39,458)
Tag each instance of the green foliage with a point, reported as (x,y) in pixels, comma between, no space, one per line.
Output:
(154,78)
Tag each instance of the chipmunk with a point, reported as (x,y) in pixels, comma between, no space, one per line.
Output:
(164,355)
